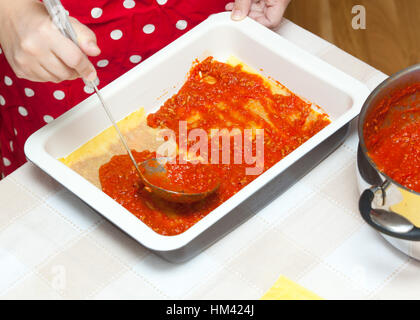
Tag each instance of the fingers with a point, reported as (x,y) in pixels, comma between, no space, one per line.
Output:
(240,9)
(57,59)
(48,68)
(274,13)
(33,62)
(70,54)
(86,37)
(67,60)
(267,12)
(257,10)
(58,70)
(36,50)
(70,59)
(38,74)
(230,6)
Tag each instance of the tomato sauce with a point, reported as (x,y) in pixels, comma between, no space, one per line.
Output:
(392,136)
(189,177)
(216,95)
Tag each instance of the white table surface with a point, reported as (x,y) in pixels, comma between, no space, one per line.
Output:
(54,246)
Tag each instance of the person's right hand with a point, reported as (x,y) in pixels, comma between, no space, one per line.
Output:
(35,48)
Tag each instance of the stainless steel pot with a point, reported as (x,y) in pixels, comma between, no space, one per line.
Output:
(379,193)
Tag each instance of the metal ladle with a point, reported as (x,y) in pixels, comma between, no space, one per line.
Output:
(155,168)
(151,166)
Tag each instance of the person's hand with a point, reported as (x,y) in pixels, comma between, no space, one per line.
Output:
(35,48)
(267,12)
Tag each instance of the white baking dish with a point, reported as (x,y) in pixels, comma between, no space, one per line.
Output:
(156,79)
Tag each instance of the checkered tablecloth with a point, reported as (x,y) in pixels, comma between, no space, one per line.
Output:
(54,246)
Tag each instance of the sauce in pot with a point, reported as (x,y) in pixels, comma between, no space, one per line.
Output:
(392,136)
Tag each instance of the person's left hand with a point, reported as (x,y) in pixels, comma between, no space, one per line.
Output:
(267,12)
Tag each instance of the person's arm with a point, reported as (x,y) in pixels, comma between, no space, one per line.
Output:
(267,12)
(35,48)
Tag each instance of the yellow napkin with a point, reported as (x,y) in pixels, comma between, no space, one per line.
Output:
(285,289)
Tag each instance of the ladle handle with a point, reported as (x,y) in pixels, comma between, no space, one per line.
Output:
(59,18)
(366,211)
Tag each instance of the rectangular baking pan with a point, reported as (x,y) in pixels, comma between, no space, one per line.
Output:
(155,80)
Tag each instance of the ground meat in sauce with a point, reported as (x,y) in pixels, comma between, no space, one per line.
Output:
(392,136)
(216,95)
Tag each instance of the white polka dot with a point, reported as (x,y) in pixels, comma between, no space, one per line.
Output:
(102,63)
(135,58)
(1,51)
(29,92)
(6,162)
(116,34)
(88,89)
(96,13)
(162,2)
(2,100)
(15,131)
(11,146)
(181,24)
(23,111)
(8,81)
(149,28)
(59,95)
(48,118)
(128,4)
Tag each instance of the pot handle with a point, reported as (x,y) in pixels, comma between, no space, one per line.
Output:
(365,208)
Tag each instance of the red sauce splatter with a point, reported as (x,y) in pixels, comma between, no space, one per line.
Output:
(214,96)
(392,136)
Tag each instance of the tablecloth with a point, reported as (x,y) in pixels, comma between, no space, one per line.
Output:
(53,246)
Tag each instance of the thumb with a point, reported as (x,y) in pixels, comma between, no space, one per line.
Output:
(241,9)
(86,38)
